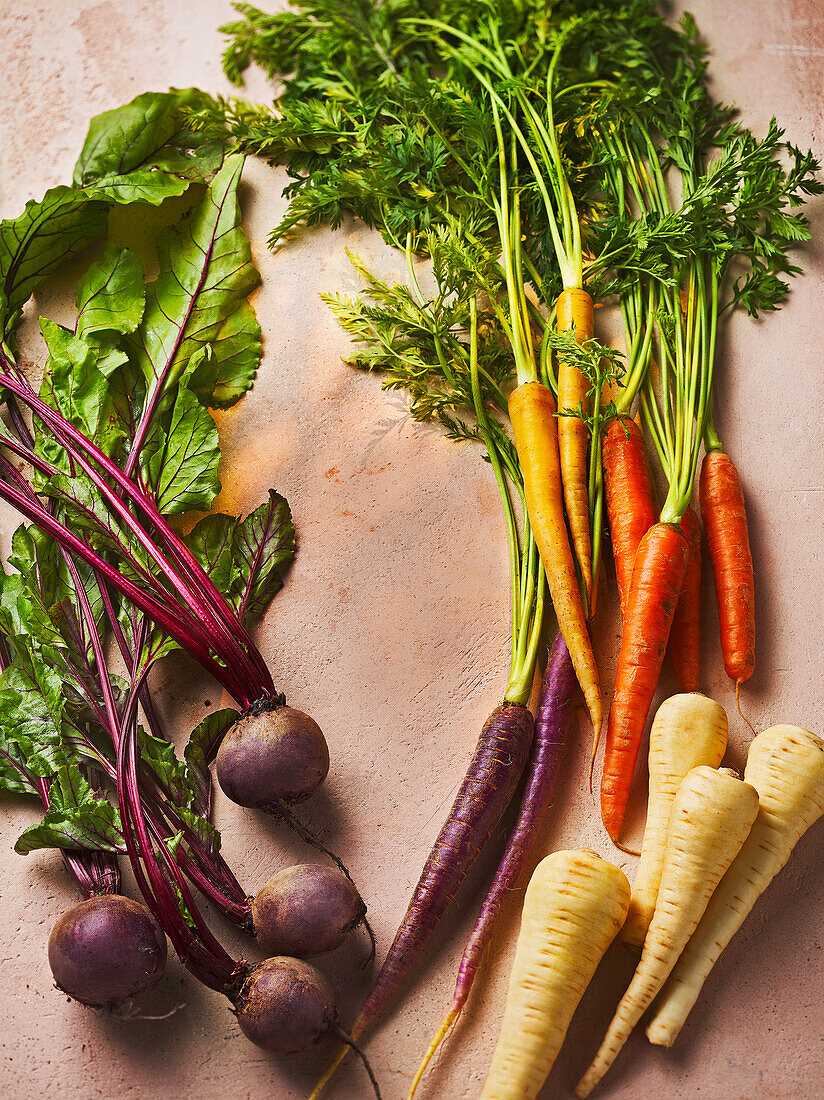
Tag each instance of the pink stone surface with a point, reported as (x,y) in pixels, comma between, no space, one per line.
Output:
(392,627)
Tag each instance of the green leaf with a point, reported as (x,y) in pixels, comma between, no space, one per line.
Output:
(237,348)
(220,374)
(184,463)
(206,273)
(159,757)
(46,607)
(212,541)
(201,748)
(201,375)
(23,616)
(44,236)
(15,777)
(264,544)
(111,294)
(34,556)
(67,614)
(31,714)
(204,830)
(144,151)
(172,844)
(72,384)
(76,819)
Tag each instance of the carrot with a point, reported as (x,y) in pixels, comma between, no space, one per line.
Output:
(725,523)
(786,766)
(573,309)
(656,583)
(684,643)
(574,905)
(628,490)
(496,766)
(551,724)
(712,815)
(687,731)
(535,428)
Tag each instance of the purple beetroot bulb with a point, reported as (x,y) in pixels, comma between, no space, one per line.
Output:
(306,910)
(285,1005)
(106,949)
(272,756)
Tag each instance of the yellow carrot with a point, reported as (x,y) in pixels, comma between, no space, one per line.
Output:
(712,814)
(535,428)
(688,730)
(786,767)
(574,905)
(574,310)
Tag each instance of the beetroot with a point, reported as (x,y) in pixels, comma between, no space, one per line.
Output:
(306,910)
(106,949)
(272,756)
(285,1005)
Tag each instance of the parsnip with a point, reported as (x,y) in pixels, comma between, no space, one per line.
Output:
(711,817)
(786,767)
(574,905)
(689,730)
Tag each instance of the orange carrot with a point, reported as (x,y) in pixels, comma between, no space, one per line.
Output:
(656,584)
(686,623)
(535,428)
(574,310)
(628,490)
(728,540)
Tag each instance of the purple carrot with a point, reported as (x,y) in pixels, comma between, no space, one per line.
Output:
(551,725)
(489,784)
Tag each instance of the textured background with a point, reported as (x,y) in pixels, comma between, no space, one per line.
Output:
(392,627)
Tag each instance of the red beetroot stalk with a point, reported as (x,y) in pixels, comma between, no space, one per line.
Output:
(223,889)
(493,774)
(196,947)
(226,634)
(228,896)
(551,725)
(178,625)
(628,490)
(685,633)
(102,875)
(210,874)
(183,628)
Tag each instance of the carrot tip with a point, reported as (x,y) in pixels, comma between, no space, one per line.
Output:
(624,848)
(446,1025)
(328,1073)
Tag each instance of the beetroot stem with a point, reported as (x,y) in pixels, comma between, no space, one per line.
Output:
(197,948)
(172,622)
(216,611)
